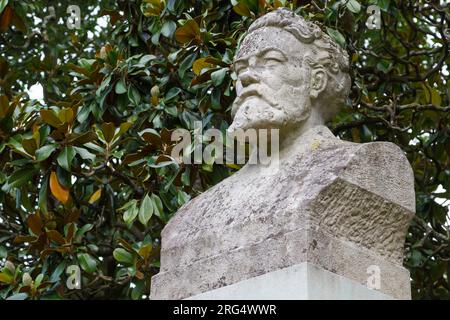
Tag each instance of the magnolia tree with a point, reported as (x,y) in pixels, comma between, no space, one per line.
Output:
(86,174)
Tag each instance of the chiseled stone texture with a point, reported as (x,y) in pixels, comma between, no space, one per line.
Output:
(339,205)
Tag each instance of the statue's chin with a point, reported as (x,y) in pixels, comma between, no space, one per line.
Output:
(256,124)
(253,113)
(237,125)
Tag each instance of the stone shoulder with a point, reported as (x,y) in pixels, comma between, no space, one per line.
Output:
(382,168)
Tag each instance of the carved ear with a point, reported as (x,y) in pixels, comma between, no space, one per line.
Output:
(318,81)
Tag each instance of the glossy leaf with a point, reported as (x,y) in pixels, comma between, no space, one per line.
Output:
(87,263)
(145,210)
(44,152)
(65,157)
(58,191)
(123,256)
(157,205)
(95,196)
(188,32)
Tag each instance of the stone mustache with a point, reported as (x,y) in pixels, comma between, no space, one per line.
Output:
(337,205)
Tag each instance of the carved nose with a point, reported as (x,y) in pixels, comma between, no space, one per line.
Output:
(248,78)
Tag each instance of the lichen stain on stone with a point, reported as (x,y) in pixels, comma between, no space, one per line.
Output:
(315,145)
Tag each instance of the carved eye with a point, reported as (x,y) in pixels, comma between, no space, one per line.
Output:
(271,62)
(273,58)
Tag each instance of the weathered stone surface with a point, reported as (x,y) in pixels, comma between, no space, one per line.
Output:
(338,205)
(318,207)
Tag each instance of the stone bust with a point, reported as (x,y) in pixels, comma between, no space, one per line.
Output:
(337,205)
(291,76)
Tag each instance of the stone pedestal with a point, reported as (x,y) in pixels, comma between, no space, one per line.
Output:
(339,206)
(304,281)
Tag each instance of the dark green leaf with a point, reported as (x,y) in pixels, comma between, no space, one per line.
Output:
(44,152)
(65,157)
(120,87)
(87,263)
(146,210)
(123,256)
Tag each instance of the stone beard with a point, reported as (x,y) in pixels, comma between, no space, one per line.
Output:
(271,87)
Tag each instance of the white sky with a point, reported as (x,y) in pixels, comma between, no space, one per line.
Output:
(36,92)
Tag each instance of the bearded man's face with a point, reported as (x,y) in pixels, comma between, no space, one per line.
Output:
(273,81)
